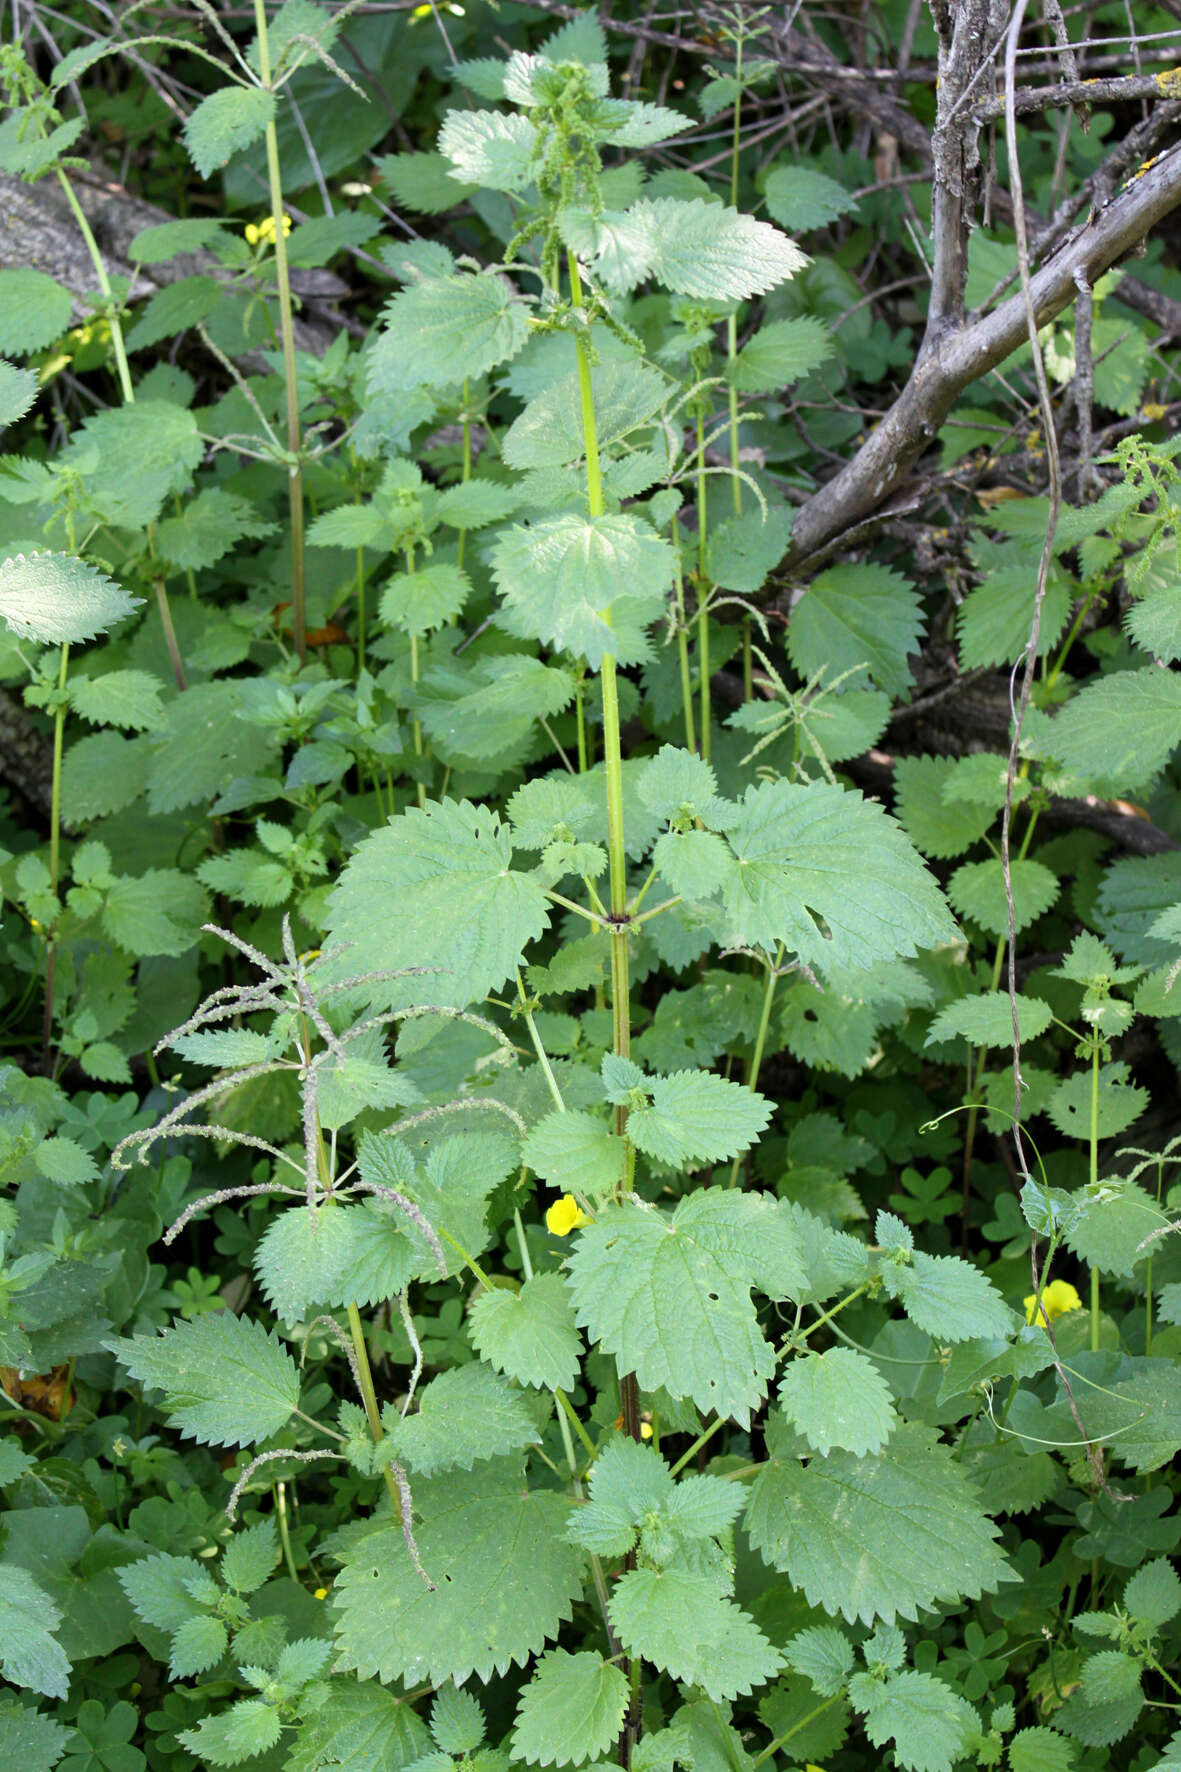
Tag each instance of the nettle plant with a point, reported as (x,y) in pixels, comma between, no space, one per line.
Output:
(604,1422)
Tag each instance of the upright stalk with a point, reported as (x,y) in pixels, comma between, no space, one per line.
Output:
(287,336)
(703,588)
(683,650)
(731,354)
(55,807)
(1094,1177)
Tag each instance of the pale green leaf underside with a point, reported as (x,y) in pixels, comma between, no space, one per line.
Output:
(987,1020)
(226,1380)
(575,1153)
(1119,732)
(444,329)
(30,1654)
(560,577)
(703,249)
(465,1414)
(59,600)
(225,123)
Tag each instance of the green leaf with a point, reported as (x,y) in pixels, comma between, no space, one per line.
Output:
(247,1729)
(434,889)
(130,699)
(30,1654)
(722,1650)
(779,354)
(744,550)
(225,123)
(995,618)
(1041,1750)
(473,504)
(210,526)
(530,1335)
(857,615)
(949,1298)
(930,1726)
(1154,622)
(29,1740)
(155,245)
(18,392)
(249,875)
(424,182)
(59,600)
(669,1296)
(1120,1103)
(977,890)
(457,1722)
(338,1255)
(572,1710)
(34,311)
(1153,1595)
(692,1117)
(249,1558)
(1113,1217)
(987,1020)
(444,329)
(1118,733)
(198,1645)
(935,819)
(174,309)
(823,1655)
(549,432)
(360,1728)
(226,1381)
(575,1152)
(874,1537)
(838,1398)
(62,1161)
(158,1588)
(801,198)
(806,853)
(463,1415)
(318,241)
(134,457)
(676,784)
(480,711)
(504,1581)
(489,148)
(560,577)
(703,249)
(161,912)
(418,601)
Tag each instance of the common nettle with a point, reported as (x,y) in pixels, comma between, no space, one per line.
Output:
(635,1355)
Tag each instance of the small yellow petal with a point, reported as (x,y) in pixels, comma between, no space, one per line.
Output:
(564,1216)
(252,234)
(1058,1298)
(645,1430)
(1153,410)
(321,1593)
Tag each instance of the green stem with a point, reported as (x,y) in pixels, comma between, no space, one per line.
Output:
(360,610)
(280,1494)
(702,588)
(369,1398)
(1094,1141)
(467,465)
(774,1746)
(702,1439)
(287,334)
(683,649)
(542,1059)
(55,823)
(756,1060)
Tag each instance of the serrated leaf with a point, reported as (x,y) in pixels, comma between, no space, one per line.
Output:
(695,1117)
(63,1161)
(838,1398)
(423,182)
(361,1728)
(857,615)
(1041,1750)
(132,458)
(530,1335)
(1112,1218)
(249,875)
(161,912)
(29,1740)
(173,310)
(670,1296)
(18,392)
(724,1652)
(977,890)
(1153,1594)
(817,852)
(226,1380)
(460,909)
(801,198)
(549,432)
(504,1581)
(250,1557)
(575,1152)
(713,252)
(994,619)
(30,1654)
(444,329)
(987,1020)
(465,1414)
(824,1655)
(559,579)
(130,699)
(931,1727)
(949,1298)
(1120,1103)
(489,148)
(1117,734)
(156,1588)
(744,550)
(224,124)
(457,1722)
(1154,622)
(227,1738)
(473,504)
(780,353)
(209,527)
(34,311)
(60,600)
(338,1255)
(198,1645)
(938,824)
(571,1711)
(418,601)
(480,711)
(874,1537)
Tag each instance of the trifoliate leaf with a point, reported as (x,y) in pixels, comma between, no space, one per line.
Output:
(807,854)
(489,148)
(444,329)
(874,1537)
(949,1298)
(465,1414)
(693,1117)
(779,354)
(34,310)
(434,889)
(560,577)
(530,1335)
(571,1711)
(1112,1218)
(716,253)
(987,1020)
(977,890)
(678,1621)
(59,600)
(857,615)
(801,198)
(823,1655)
(670,1296)
(226,1381)
(575,1153)
(838,1398)
(225,123)
(30,1654)
(930,1726)
(504,1581)
(1117,734)
(418,601)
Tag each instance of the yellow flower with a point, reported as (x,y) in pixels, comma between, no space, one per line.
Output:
(564,1216)
(645,1430)
(1153,410)
(1058,1298)
(321,1593)
(262,233)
